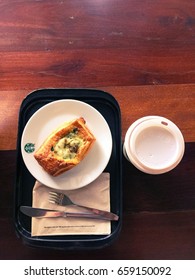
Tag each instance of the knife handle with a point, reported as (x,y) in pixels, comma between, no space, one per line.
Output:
(92,216)
(107,215)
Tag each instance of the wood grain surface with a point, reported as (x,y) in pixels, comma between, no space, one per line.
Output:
(175,102)
(158,220)
(91,43)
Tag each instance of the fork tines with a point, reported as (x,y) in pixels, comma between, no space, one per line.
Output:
(55,197)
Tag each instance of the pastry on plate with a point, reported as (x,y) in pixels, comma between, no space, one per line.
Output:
(65,147)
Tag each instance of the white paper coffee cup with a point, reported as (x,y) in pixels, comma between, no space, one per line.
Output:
(154,145)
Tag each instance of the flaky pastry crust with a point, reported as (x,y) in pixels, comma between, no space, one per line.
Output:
(65,147)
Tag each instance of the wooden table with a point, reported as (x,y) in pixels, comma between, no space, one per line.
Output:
(143,53)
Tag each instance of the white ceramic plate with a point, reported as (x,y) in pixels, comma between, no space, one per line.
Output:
(45,121)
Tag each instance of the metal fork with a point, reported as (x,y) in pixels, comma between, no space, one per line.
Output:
(64,200)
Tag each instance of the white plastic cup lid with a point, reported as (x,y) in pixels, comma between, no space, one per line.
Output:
(154,144)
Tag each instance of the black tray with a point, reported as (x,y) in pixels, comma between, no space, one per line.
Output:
(109,108)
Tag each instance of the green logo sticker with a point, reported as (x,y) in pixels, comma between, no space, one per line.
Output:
(29,148)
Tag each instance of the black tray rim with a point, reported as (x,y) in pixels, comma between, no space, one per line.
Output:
(96,241)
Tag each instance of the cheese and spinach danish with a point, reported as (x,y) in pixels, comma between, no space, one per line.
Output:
(65,147)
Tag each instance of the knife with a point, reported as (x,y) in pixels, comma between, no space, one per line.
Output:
(48,213)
